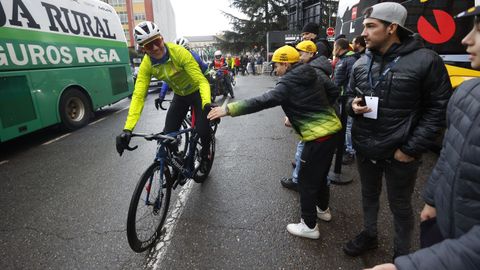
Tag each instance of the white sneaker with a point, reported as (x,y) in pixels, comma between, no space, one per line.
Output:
(324,215)
(302,230)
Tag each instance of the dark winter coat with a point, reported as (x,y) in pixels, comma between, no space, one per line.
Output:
(303,100)
(323,67)
(454,189)
(412,101)
(343,69)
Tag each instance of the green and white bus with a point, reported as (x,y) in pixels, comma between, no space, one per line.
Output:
(60,61)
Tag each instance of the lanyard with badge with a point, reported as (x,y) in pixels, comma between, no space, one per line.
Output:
(372,101)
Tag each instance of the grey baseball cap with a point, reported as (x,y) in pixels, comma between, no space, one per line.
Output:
(390,12)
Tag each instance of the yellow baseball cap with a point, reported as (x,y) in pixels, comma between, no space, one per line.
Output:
(307,46)
(286,54)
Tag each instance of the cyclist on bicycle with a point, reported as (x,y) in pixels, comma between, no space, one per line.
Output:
(203,67)
(219,62)
(176,66)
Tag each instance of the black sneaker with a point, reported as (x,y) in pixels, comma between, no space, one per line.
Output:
(288,183)
(360,244)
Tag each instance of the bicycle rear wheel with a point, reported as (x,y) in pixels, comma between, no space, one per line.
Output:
(148,207)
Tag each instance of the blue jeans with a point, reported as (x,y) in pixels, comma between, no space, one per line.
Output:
(298,155)
(348,136)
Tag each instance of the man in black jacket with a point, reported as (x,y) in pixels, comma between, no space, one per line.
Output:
(407,89)
(452,193)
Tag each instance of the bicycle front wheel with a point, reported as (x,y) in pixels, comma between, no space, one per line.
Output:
(202,173)
(149,207)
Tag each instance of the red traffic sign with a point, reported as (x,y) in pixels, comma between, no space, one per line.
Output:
(330,31)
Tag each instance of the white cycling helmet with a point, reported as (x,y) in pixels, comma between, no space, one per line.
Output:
(182,42)
(217,53)
(145,31)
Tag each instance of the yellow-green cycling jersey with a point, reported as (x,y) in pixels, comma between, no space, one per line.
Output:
(180,71)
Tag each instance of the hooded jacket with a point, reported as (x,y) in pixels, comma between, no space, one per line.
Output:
(303,100)
(343,69)
(454,189)
(412,101)
(324,70)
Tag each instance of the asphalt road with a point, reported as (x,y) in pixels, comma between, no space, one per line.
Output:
(63,202)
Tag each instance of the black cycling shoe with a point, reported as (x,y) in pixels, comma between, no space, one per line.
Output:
(360,244)
(288,183)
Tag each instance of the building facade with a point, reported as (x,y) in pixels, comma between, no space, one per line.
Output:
(322,12)
(132,12)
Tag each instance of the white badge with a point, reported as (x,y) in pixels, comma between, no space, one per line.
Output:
(372,103)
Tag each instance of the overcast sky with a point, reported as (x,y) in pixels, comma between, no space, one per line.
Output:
(201,17)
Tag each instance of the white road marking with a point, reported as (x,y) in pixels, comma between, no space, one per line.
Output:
(56,139)
(3,162)
(169,228)
(99,120)
(122,110)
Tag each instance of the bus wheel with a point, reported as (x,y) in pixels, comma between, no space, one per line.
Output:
(75,109)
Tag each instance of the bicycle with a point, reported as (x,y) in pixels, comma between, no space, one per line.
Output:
(171,167)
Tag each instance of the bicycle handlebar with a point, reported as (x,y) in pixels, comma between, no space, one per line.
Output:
(154,136)
(161,104)
(151,137)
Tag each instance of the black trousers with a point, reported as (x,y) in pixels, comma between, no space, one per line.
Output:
(400,180)
(312,178)
(178,110)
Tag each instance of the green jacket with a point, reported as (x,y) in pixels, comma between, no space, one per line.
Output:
(181,72)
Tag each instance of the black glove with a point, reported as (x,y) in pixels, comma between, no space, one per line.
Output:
(123,140)
(208,107)
(158,101)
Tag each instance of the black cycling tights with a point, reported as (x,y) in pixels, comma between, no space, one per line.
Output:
(178,110)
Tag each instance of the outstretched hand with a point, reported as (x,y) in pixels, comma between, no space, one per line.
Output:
(386,266)
(216,112)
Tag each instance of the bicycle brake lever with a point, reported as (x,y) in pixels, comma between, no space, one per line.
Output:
(161,106)
(131,148)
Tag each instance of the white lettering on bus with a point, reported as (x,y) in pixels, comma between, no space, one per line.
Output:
(66,56)
(98,55)
(83,53)
(114,56)
(3,57)
(53,55)
(33,54)
(36,52)
(13,55)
